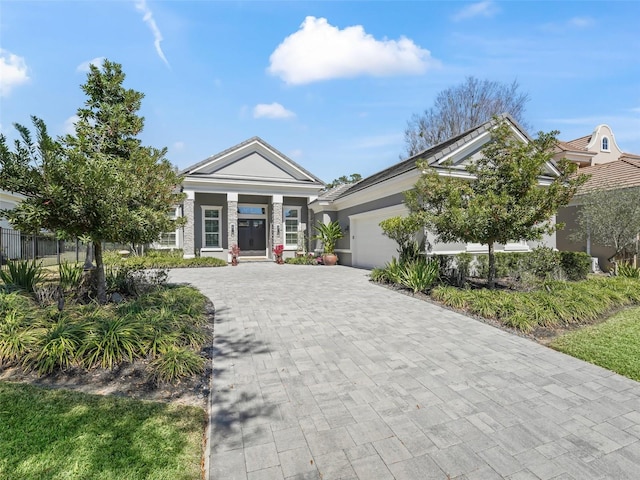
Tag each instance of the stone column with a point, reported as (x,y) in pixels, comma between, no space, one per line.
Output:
(189,245)
(232,220)
(277,227)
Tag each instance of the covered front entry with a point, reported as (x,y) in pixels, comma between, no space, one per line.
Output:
(252,237)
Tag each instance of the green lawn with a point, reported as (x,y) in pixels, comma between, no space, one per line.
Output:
(614,344)
(57,434)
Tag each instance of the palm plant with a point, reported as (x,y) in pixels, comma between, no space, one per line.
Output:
(328,234)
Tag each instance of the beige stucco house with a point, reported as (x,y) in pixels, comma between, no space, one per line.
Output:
(599,156)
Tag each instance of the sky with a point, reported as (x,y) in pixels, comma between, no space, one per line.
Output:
(330,84)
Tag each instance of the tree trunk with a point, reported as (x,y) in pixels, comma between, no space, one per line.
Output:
(491,281)
(100,278)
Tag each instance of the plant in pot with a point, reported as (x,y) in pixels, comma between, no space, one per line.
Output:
(328,234)
(277,251)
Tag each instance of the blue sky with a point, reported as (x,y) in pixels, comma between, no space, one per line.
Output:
(330,84)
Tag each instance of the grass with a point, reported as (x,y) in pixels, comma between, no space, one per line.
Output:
(56,434)
(613,344)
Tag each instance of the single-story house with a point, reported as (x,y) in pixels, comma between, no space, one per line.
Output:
(254,196)
(250,195)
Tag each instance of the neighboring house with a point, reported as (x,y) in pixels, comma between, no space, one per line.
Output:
(595,149)
(614,175)
(610,168)
(361,207)
(251,195)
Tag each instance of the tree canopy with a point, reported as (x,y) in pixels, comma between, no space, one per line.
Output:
(611,218)
(343,180)
(100,182)
(462,107)
(501,200)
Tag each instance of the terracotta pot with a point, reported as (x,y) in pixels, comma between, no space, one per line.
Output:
(279,260)
(329,259)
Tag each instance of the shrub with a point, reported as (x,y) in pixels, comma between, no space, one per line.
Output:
(70,275)
(112,340)
(418,275)
(576,265)
(57,348)
(22,274)
(302,260)
(627,270)
(379,275)
(176,363)
(17,337)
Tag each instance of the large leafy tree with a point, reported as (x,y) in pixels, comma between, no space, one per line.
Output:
(101,182)
(462,107)
(501,200)
(610,217)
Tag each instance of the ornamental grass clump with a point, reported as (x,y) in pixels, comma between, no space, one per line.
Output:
(22,275)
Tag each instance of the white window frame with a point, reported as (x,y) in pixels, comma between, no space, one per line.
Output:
(158,246)
(218,248)
(291,246)
(602,146)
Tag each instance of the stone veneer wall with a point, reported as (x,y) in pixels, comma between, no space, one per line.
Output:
(189,245)
(276,221)
(232,219)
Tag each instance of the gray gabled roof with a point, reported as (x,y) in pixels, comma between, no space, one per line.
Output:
(431,155)
(240,145)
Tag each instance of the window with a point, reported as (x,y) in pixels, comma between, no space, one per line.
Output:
(211,217)
(605,144)
(292,217)
(168,239)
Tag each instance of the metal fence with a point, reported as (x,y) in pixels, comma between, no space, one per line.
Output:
(16,245)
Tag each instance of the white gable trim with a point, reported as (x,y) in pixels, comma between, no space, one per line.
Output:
(254,146)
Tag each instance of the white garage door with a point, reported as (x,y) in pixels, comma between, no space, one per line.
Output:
(369,246)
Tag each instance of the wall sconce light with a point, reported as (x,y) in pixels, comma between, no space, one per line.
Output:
(278,230)
(233,229)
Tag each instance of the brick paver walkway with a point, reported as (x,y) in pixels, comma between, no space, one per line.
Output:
(321,375)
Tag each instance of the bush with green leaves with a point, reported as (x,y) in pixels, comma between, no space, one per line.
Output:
(302,260)
(85,336)
(175,363)
(161,259)
(70,275)
(554,303)
(22,274)
(625,269)
(575,265)
(417,275)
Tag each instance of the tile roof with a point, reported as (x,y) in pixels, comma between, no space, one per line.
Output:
(623,173)
(579,143)
(431,155)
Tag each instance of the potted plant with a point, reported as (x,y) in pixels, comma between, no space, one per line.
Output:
(328,234)
(235,253)
(277,251)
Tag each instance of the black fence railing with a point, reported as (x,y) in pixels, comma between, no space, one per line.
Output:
(16,245)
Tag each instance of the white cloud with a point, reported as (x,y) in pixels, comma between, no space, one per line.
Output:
(70,125)
(486,8)
(84,66)
(13,72)
(141,6)
(297,153)
(178,145)
(320,51)
(271,110)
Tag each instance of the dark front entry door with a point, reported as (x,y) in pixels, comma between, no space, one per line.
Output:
(252,236)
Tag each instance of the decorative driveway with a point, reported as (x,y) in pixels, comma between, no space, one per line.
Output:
(319,374)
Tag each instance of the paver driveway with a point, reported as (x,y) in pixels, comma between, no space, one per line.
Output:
(321,375)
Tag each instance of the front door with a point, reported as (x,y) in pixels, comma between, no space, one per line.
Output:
(252,237)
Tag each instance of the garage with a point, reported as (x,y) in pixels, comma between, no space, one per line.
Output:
(369,246)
